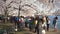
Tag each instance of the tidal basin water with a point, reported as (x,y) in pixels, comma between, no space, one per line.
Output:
(58,21)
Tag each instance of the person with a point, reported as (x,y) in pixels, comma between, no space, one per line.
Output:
(30,23)
(44,25)
(39,27)
(55,22)
(27,22)
(36,21)
(22,22)
(43,29)
(44,21)
(35,24)
(48,22)
(16,19)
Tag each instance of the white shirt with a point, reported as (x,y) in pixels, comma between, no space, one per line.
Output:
(22,20)
(49,22)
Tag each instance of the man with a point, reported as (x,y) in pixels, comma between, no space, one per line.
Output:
(55,22)
(35,24)
(16,19)
(39,27)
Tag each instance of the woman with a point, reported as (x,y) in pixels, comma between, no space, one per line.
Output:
(48,22)
(44,21)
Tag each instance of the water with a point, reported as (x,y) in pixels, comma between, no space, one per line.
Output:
(58,22)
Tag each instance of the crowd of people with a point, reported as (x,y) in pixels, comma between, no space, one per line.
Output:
(36,24)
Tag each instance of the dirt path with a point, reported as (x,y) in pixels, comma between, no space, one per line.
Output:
(48,32)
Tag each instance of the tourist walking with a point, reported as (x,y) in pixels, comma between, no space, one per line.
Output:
(35,24)
(16,19)
(48,22)
(22,21)
(30,23)
(55,23)
(44,21)
(39,27)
